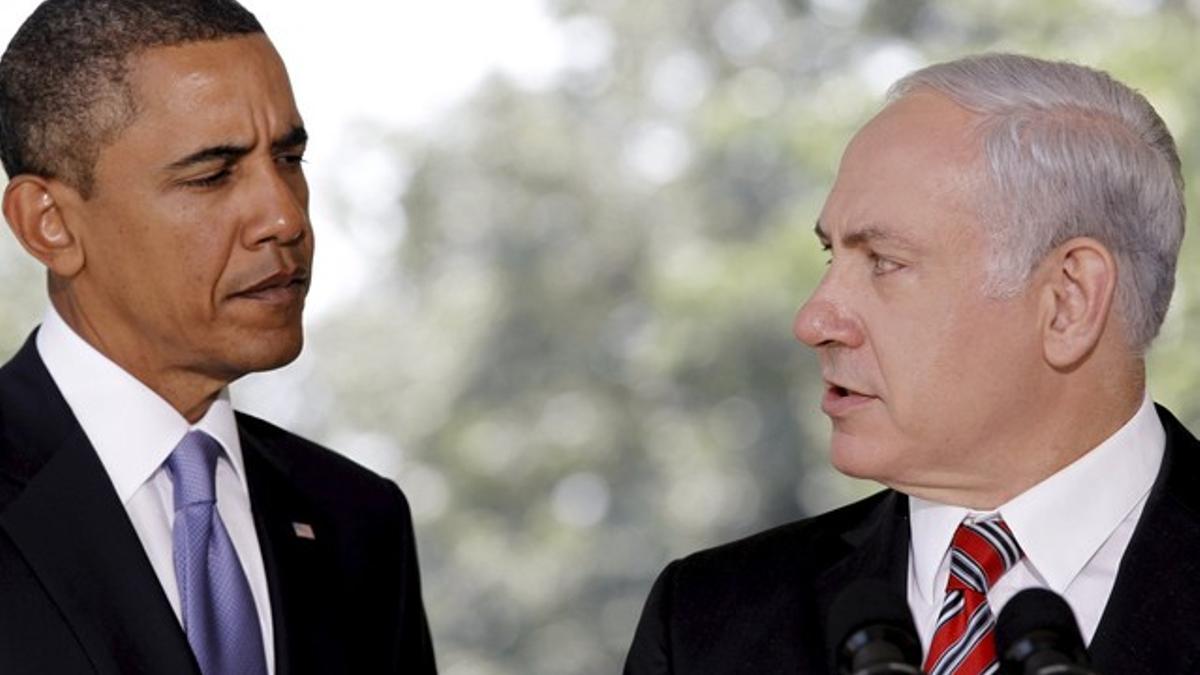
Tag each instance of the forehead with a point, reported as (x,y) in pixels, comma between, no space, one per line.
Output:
(224,88)
(917,166)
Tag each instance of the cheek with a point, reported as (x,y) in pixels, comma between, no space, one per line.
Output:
(955,372)
(206,241)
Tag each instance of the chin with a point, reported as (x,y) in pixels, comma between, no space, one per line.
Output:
(859,458)
(268,353)
(280,360)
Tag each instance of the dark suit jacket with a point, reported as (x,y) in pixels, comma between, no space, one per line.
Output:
(78,594)
(759,605)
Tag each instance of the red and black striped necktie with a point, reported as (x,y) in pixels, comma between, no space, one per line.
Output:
(964,643)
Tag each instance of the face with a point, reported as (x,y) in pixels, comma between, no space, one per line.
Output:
(196,238)
(926,377)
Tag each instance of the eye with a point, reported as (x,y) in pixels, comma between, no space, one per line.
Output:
(292,160)
(211,180)
(881,265)
(827,248)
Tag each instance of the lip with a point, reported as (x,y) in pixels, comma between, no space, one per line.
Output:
(283,287)
(840,401)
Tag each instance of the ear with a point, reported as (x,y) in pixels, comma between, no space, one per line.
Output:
(33,209)
(1080,284)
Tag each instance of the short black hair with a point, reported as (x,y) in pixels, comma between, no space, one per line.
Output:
(64,93)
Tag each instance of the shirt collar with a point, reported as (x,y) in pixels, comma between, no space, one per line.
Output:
(1057,536)
(933,527)
(132,429)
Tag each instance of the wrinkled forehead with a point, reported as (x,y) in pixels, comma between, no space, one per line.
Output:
(225,93)
(196,74)
(227,96)
(920,154)
(922,130)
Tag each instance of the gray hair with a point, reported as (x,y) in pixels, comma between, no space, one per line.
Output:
(1071,152)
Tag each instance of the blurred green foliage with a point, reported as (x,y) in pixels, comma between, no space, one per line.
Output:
(577,360)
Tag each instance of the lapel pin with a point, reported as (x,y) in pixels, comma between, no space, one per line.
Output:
(304,531)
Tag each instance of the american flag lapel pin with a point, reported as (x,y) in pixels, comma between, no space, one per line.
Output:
(304,531)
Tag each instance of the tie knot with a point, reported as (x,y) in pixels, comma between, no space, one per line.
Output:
(981,553)
(193,465)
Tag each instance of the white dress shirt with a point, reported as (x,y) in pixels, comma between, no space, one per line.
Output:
(1074,528)
(133,431)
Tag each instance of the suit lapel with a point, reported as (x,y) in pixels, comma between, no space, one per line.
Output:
(74,534)
(299,569)
(1150,622)
(876,549)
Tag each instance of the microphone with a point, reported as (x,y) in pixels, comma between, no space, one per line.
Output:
(1036,634)
(871,631)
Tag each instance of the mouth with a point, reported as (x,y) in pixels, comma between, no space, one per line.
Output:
(283,287)
(840,400)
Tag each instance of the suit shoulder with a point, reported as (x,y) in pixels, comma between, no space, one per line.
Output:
(797,545)
(755,604)
(315,469)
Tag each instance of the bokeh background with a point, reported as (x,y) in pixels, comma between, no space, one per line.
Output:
(561,243)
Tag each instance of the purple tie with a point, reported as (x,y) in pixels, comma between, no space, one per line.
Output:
(218,609)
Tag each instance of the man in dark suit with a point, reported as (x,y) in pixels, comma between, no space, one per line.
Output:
(154,153)
(1003,238)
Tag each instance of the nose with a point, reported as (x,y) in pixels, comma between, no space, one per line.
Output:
(280,210)
(826,321)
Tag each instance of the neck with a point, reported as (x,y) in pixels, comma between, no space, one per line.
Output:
(189,393)
(1057,430)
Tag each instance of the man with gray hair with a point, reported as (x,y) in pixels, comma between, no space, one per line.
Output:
(155,153)
(1003,238)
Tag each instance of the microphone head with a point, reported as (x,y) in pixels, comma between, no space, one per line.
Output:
(870,624)
(1038,621)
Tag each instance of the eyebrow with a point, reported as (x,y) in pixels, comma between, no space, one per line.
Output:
(868,234)
(229,152)
(292,139)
